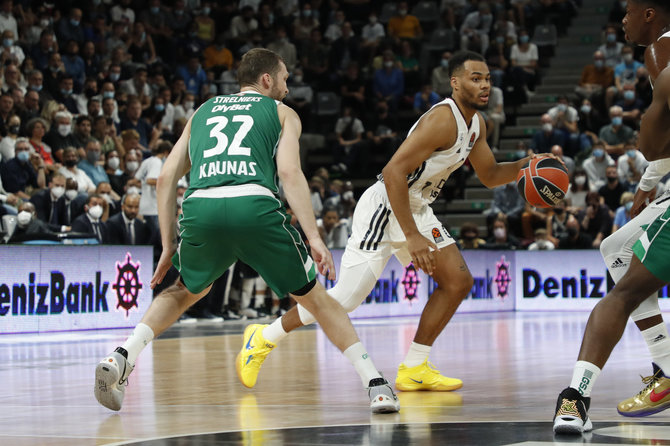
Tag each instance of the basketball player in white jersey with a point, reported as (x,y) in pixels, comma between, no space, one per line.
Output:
(393,217)
(637,254)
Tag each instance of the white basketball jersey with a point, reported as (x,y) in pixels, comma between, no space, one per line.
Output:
(428,179)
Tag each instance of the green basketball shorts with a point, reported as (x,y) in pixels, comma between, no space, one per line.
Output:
(653,247)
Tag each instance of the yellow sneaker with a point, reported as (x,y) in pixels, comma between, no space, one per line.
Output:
(654,398)
(253,353)
(424,377)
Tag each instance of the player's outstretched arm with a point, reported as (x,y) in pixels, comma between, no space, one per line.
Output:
(654,138)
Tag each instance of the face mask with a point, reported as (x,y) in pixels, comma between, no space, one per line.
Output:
(629,95)
(206,10)
(65,92)
(159,107)
(188,105)
(628,58)
(13,129)
(547,127)
(572,232)
(93,157)
(155,9)
(24,218)
(348,195)
(628,206)
(499,232)
(444,63)
(500,40)
(70,163)
(297,79)
(113,163)
(44,23)
(64,130)
(631,153)
(388,64)
(95,212)
(70,194)
(623,4)
(611,179)
(57,191)
(132,165)
(114,77)
(133,190)
(617,120)
(580,180)
(179,12)
(559,211)
(611,38)
(586,109)
(143,37)
(23,156)
(599,63)
(107,94)
(74,22)
(402,11)
(562,107)
(8,42)
(598,153)
(36,87)
(373,20)
(524,39)
(307,13)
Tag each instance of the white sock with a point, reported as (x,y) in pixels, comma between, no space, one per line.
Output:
(274,332)
(359,358)
(584,377)
(658,341)
(142,335)
(416,354)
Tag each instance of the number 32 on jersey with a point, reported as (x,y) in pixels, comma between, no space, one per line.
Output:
(234,148)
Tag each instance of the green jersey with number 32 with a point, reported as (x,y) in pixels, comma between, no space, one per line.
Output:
(233,141)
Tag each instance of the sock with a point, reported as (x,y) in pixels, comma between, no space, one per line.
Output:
(142,335)
(358,356)
(416,354)
(658,342)
(274,332)
(584,377)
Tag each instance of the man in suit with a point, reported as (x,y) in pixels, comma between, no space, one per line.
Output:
(46,200)
(71,204)
(90,222)
(28,227)
(125,228)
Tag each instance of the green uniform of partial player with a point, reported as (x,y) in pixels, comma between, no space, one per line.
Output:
(232,208)
(653,246)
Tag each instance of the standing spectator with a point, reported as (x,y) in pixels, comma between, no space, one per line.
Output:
(388,82)
(148,175)
(611,49)
(349,131)
(440,79)
(631,166)
(70,170)
(622,214)
(615,134)
(547,136)
(283,46)
(596,220)
(476,28)
(596,166)
(19,175)
(595,80)
(612,191)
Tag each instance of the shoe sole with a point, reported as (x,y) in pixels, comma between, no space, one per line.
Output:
(421,387)
(240,356)
(644,413)
(386,406)
(575,428)
(106,383)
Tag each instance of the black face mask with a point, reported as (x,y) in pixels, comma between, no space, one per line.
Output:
(70,163)
(559,211)
(572,232)
(611,179)
(13,129)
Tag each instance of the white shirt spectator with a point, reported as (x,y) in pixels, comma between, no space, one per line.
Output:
(84,182)
(9,22)
(373,33)
(7,148)
(343,122)
(181,112)
(338,235)
(253,3)
(229,83)
(169,116)
(300,91)
(121,14)
(240,28)
(524,58)
(596,171)
(287,51)
(129,87)
(149,169)
(624,171)
(288,7)
(16,52)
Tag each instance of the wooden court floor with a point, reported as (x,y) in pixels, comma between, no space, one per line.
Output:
(184,390)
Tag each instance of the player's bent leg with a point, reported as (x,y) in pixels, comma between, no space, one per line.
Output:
(111,374)
(454,282)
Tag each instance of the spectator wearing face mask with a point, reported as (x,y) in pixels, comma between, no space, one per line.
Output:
(574,237)
(595,220)
(7,143)
(128,169)
(541,242)
(631,167)
(500,238)
(71,204)
(28,226)
(124,228)
(579,187)
(282,46)
(60,135)
(547,136)
(439,78)
(148,175)
(631,105)
(615,134)
(622,214)
(612,191)
(112,200)
(90,164)
(611,49)
(596,167)
(70,170)
(19,175)
(469,237)
(557,220)
(46,203)
(90,222)
(595,79)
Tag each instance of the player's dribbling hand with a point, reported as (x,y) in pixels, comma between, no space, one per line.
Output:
(422,251)
(641,200)
(323,258)
(164,264)
(549,155)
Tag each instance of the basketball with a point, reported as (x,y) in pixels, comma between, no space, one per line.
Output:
(543,182)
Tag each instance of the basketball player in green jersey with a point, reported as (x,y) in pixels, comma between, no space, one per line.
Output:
(645,240)
(235,146)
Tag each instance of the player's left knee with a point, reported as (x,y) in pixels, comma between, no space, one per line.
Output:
(611,245)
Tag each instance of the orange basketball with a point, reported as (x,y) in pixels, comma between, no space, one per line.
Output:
(543,182)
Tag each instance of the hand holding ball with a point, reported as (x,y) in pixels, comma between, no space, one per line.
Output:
(543,182)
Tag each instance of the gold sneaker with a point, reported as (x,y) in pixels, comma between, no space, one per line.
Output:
(654,398)
(253,353)
(424,377)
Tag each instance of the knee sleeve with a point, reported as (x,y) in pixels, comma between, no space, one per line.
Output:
(353,286)
(648,308)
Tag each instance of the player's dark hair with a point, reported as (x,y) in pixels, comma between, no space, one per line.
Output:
(457,61)
(663,5)
(255,63)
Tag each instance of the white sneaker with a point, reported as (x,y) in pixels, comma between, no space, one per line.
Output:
(382,398)
(572,413)
(250,313)
(111,379)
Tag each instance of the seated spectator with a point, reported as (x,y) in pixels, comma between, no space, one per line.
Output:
(70,28)
(71,204)
(596,166)
(631,105)
(579,187)
(403,25)
(104,132)
(557,220)
(524,58)
(82,130)
(476,28)
(574,237)
(590,120)
(193,74)
(89,91)
(74,66)
(612,191)
(615,134)
(31,107)
(46,202)
(124,228)
(304,24)
(622,214)
(381,131)
(345,50)
(334,230)
(469,237)
(541,241)
(497,58)
(90,222)
(112,199)
(91,166)
(283,46)
(506,203)
(130,140)
(352,87)
(595,80)
(24,173)
(10,51)
(6,112)
(315,59)
(7,143)
(595,220)
(631,166)
(643,86)
(186,108)
(28,226)
(626,71)
(547,136)
(440,79)
(60,135)
(388,82)
(425,99)
(132,120)
(41,51)
(569,162)
(347,150)
(70,170)
(494,116)
(140,45)
(372,35)
(8,201)
(565,118)
(500,237)
(611,49)
(65,95)
(342,198)
(138,86)
(410,66)
(300,96)
(317,187)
